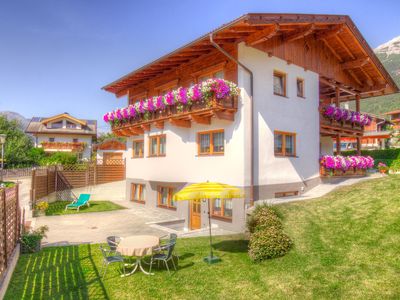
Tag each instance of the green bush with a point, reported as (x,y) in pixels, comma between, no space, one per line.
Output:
(268,243)
(377,154)
(63,158)
(267,239)
(263,217)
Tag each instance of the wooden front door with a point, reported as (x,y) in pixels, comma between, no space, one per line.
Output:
(195,214)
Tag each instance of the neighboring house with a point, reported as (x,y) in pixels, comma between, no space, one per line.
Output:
(269,139)
(63,133)
(110,151)
(376,135)
(394,118)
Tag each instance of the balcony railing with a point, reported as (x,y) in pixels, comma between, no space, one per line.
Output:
(64,146)
(339,121)
(179,115)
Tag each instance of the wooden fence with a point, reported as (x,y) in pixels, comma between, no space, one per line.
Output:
(20,172)
(62,178)
(10,221)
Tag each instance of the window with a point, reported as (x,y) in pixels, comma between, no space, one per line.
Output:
(75,140)
(56,125)
(215,74)
(52,139)
(211,142)
(138,149)
(300,87)
(279,83)
(284,143)
(157,145)
(286,194)
(137,192)
(221,208)
(71,125)
(165,197)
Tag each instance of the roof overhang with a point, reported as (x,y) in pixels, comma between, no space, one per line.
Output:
(254,28)
(63,116)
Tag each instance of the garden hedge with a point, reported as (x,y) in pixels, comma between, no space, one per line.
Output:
(390,157)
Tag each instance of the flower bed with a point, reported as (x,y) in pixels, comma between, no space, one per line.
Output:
(345,165)
(345,115)
(182,98)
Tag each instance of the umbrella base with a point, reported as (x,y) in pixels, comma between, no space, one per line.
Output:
(211,259)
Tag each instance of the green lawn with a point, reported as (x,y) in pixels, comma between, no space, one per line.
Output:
(58,208)
(347,245)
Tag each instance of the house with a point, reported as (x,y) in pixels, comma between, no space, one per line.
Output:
(376,135)
(394,118)
(63,133)
(110,151)
(292,71)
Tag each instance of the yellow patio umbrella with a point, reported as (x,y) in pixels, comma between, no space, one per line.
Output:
(208,190)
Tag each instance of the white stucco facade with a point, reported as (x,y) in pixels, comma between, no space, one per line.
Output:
(66,138)
(182,164)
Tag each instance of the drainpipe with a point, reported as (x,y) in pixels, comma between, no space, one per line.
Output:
(220,49)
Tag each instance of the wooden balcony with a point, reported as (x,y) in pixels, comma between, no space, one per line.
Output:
(179,115)
(331,127)
(63,146)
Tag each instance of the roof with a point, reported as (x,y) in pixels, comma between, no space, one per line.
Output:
(38,125)
(63,116)
(110,144)
(260,26)
(393,112)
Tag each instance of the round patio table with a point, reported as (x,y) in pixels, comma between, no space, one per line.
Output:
(138,246)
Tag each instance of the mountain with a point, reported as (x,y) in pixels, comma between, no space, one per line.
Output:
(389,55)
(10,115)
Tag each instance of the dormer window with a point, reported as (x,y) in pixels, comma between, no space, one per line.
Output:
(71,125)
(56,125)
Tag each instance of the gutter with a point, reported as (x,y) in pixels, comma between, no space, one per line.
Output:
(220,49)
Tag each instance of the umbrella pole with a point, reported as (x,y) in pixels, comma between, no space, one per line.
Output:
(211,259)
(209,226)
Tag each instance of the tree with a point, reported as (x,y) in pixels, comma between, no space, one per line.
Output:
(108,136)
(18,144)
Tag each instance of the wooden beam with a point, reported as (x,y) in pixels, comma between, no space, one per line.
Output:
(358,102)
(354,76)
(345,47)
(356,63)
(334,85)
(369,80)
(262,36)
(337,97)
(339,58)
(330,33)
(180,123)
(136,130)
(299,34)
(226,115)
(201,120)
(159,124)
(145,127)
(338,145)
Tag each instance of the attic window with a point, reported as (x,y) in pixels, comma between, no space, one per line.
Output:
(71,125)
(56,125)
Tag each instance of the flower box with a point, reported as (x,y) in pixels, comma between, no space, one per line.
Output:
(345,165)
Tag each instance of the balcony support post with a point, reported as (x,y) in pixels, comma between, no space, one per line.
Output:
(337,95)
(338,145)
(358,145)
(358,103)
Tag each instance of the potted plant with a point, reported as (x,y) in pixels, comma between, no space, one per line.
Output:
(41,208)
(383,168)
(31,240)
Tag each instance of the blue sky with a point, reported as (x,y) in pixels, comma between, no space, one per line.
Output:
(56,55)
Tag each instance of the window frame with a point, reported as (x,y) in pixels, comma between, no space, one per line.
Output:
(75,140)
(302,95)
(211,152)
(133,149)
(158,137)
(221,217)
(142,187)
(284,134)
(169,199)
(52,139)
(284,79)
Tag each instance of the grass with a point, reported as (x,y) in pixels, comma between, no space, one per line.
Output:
(347,246)
(58,208)
(6,184)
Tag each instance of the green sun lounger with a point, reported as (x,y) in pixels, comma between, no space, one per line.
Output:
(82,200)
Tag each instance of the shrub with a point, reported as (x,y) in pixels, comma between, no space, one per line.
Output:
(268,243)
(30,241)
(63,158)
(263,217)
(42,205)
(267,239)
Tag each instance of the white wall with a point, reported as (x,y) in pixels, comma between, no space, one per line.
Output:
(291,114)
(182,163)
(67,138)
